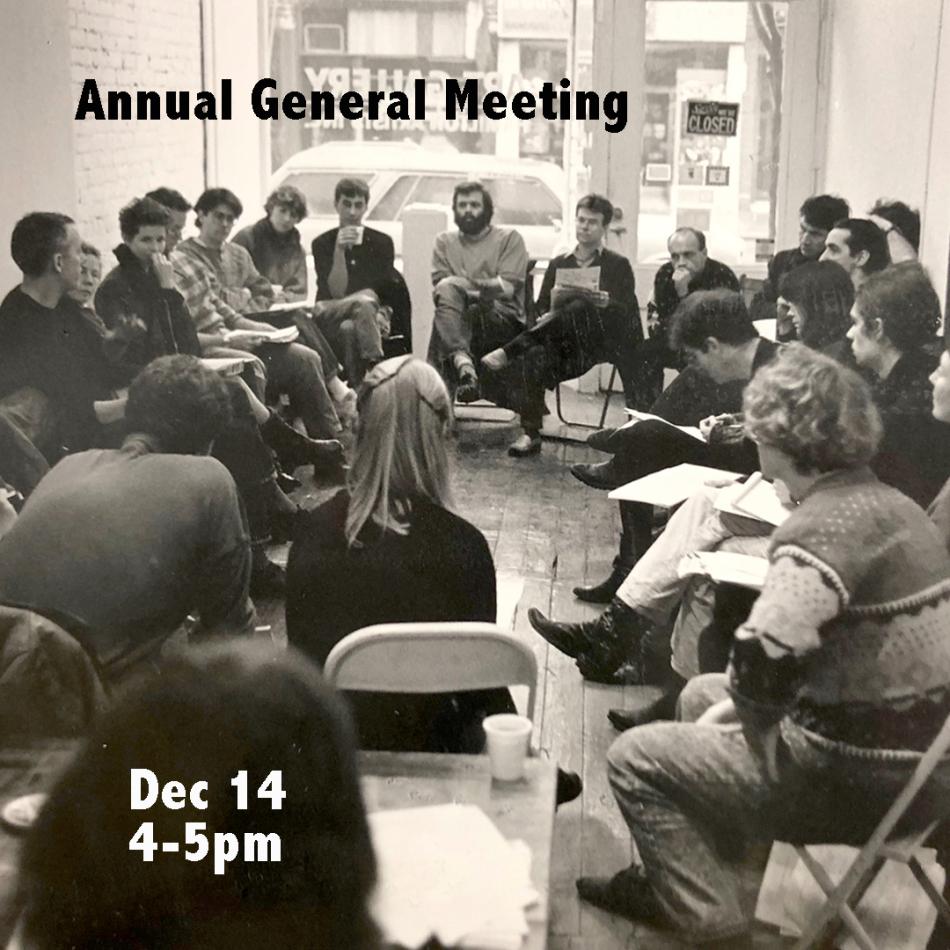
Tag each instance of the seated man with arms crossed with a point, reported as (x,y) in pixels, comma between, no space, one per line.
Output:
(125,543)
(478,275)
(580,328)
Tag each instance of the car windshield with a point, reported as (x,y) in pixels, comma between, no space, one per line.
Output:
(318,188)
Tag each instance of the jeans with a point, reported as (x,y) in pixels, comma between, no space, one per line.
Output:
(25,423)
(464,325)
(656,591)
(350,325)
(695,796)
(298,371)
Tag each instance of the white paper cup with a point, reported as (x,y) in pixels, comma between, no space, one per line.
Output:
(359,233)
(507,737)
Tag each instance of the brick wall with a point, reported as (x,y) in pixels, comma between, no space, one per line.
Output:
(133,44)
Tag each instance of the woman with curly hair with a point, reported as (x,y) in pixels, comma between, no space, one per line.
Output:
(838,681)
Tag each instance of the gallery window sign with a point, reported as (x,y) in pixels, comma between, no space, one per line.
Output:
(711,118)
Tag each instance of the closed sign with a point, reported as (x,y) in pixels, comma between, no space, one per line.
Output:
(711,118)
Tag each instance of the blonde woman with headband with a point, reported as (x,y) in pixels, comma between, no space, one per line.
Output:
(387,549)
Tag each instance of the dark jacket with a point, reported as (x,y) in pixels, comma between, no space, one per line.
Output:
(715,276)
(368,264)
(763,304)
(279,257)
(616,278)
(132,292)
(58,352)
(441,570)
(914,455)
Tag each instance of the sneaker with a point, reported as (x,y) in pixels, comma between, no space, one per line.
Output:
(495,361)
(526,444)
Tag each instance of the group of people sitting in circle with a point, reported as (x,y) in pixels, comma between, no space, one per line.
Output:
(143,421)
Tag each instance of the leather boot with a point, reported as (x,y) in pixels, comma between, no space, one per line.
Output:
(603,593)
(600,646)
(656,707)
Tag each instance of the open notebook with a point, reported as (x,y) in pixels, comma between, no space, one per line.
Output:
(757,498)
(670,486)
(724,567)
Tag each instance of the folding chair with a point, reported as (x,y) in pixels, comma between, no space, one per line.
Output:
(603,411)
(881,846)
(431,658)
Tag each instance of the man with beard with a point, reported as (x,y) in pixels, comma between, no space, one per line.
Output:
(478,276)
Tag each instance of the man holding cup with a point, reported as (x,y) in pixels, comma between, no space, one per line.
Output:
(352,263)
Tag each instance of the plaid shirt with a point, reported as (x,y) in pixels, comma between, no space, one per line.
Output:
(197,280)
(242,285)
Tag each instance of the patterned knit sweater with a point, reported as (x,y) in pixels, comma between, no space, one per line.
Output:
(851,635)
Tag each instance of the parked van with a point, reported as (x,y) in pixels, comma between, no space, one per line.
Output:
(528,194)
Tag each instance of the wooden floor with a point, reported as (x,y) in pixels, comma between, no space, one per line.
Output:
(551,531)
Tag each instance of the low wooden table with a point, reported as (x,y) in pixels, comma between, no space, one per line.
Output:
(391,780)
(522,809)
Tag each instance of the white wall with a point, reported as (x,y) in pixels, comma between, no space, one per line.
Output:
(935,240)
(132,44)
(882,76)
(36,112)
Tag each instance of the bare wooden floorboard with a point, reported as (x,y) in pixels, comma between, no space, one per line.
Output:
(549,529)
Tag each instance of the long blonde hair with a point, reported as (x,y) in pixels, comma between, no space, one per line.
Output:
(400,447)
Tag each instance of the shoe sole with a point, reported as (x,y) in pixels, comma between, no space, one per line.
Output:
(582,594)
(524,453)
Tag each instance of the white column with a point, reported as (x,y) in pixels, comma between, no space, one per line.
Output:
(420,225)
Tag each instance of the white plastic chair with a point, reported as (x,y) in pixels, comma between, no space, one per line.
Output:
(431,658)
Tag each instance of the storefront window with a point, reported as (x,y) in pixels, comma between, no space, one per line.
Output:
(721,178)
(723,184)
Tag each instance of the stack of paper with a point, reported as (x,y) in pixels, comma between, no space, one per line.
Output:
(225,365)
(670,486)
(445,871)
(724,567)
(236,337)
(757,499)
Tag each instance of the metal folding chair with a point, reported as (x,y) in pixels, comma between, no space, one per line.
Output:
(603,411)
(881,846)
(432,658)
